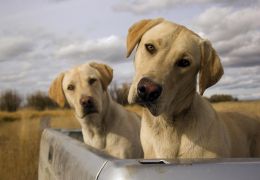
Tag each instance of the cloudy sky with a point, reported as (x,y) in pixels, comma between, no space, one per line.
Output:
(41,38)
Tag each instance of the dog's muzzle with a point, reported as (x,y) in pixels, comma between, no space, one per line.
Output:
(148,91)
(88,105)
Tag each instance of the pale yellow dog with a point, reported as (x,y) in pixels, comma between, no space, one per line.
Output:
(177,122)
(106,125)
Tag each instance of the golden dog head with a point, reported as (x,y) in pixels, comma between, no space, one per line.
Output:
(167,60)
(83,87)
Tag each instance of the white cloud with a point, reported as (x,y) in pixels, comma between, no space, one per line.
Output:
(40,40)
(149,6)
(31,59)
(233,33)
(14,46)
(57,1)
(221,23)
(110,48)
(241,82)
(141,6)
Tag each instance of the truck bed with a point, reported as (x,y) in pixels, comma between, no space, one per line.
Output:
(63,156)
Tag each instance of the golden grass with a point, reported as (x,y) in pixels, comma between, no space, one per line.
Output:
(247,107)
(9,117)
(20,135)
(20,138)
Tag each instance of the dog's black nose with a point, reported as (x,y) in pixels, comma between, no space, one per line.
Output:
(148,91)
(86,101)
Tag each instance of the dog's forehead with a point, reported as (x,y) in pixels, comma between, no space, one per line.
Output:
(87,70)
(182,39)
(81,72)
(168,30)
(161,30)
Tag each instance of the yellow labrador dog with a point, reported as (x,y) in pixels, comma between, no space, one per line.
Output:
(177,122)
(105,124)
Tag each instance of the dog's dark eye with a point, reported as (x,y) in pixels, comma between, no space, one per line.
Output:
(91,81)
(183,63)
(150,48)
(71,87)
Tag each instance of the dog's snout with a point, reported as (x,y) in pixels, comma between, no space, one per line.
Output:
(86,101)
(88,105)
(148,90)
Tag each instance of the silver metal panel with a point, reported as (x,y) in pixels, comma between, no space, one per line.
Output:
(235,169)
(63,157)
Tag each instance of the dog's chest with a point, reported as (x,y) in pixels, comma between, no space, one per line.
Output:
(164,140)
(168,141)
(93,139)
(171,144)
(166,144)
(188,148)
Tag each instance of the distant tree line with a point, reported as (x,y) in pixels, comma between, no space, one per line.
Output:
(221,98)
(11,100)
(120,93)
(40,101)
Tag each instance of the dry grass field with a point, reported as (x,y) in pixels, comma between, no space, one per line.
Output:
(20,138)
(247,107)
(20,135)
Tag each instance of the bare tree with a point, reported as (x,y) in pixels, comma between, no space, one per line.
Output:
(40,101)
(120,94)
(222,98)
(10,100)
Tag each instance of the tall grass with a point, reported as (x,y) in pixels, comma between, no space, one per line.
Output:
(20,138)
(250,108)
(20,135)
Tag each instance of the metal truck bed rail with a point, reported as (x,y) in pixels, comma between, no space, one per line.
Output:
(63,157)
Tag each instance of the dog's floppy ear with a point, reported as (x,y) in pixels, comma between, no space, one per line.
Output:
(106,73)
(136,31)
(211,68)
(56,92)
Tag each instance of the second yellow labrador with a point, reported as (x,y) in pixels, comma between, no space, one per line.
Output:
(177,122)
(106,125)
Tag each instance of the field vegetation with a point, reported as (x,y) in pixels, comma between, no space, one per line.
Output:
(20,139)
(20,130)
